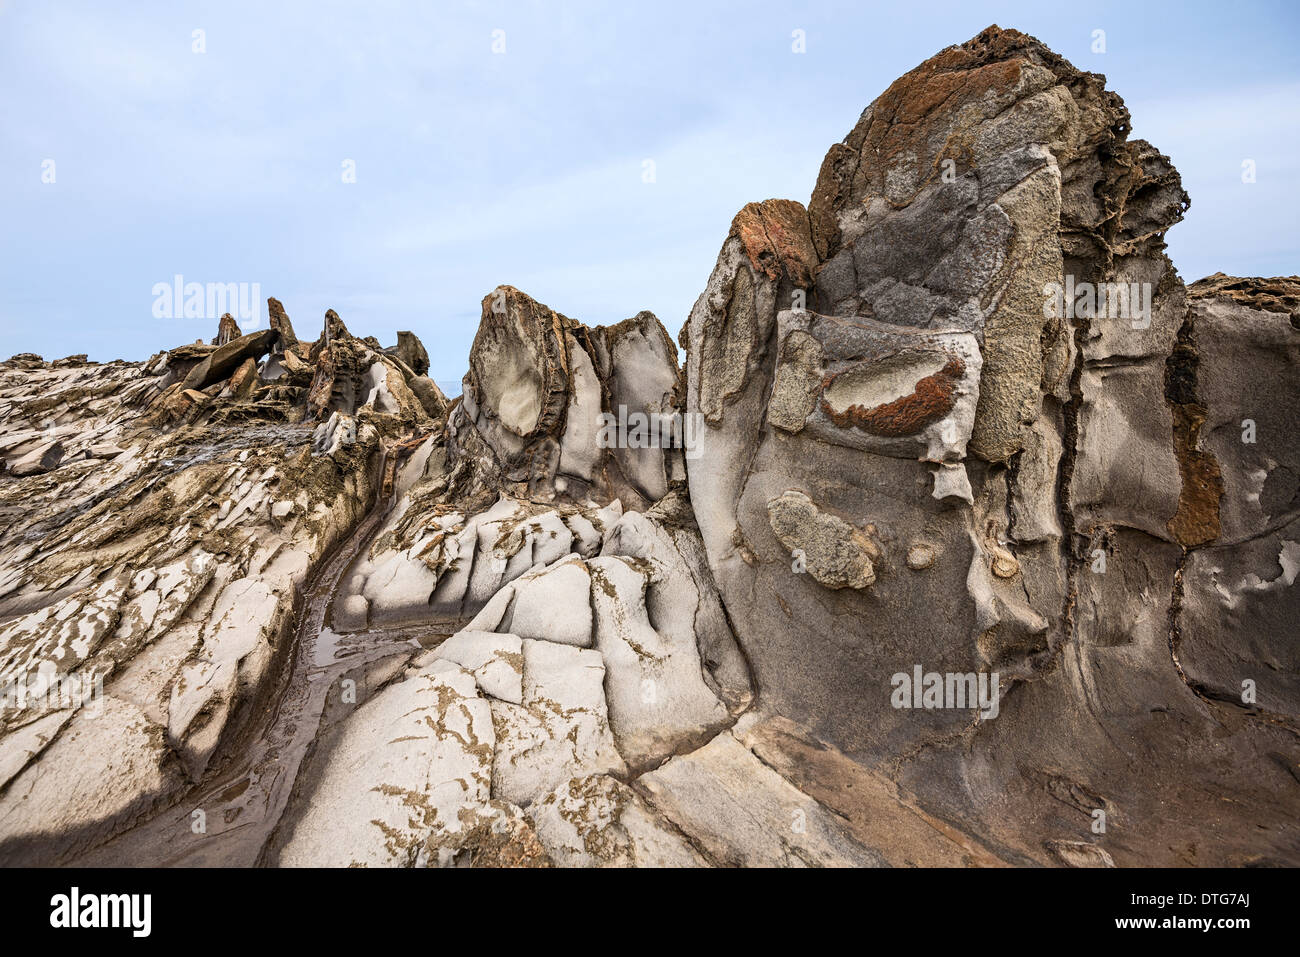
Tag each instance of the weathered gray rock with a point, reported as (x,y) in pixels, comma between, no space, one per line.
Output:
(411,351)
(961,416)
(1240,490)
(685,602)
(228,357)
(964,524)
(833,551)
(280,324)
(552,407)
(597,821)
(102,770)
(409,759)
(234,655)
(495,660)
(658,700)
(560,731)
(745,814)
(554,605)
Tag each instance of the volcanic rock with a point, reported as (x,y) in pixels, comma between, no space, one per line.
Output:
(227,330)
(228,357)
(411,351)
(552,407)
(280,324)
(967,535)
(969,384)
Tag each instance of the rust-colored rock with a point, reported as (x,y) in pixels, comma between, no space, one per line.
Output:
(930,401)
(776,237)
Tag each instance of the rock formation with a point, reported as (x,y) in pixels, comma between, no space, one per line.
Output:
(981,476)
(963,526)
(546,397)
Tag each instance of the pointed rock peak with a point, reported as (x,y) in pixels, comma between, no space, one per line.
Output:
(980,106)
(227,330)
(518,365)
(334,327)
(778,240)
(645,322)
(639,354)
(281,324)
(542,387)
(411,351)
(507,301)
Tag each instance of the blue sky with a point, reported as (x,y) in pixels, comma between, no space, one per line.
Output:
(475,168)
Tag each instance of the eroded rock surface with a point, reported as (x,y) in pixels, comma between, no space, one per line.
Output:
(963,525)
(552,407)
(150,573)
(964,417)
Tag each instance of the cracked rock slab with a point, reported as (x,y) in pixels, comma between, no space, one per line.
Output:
(560,731)
(597,821)
(407,762)
(745,814)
